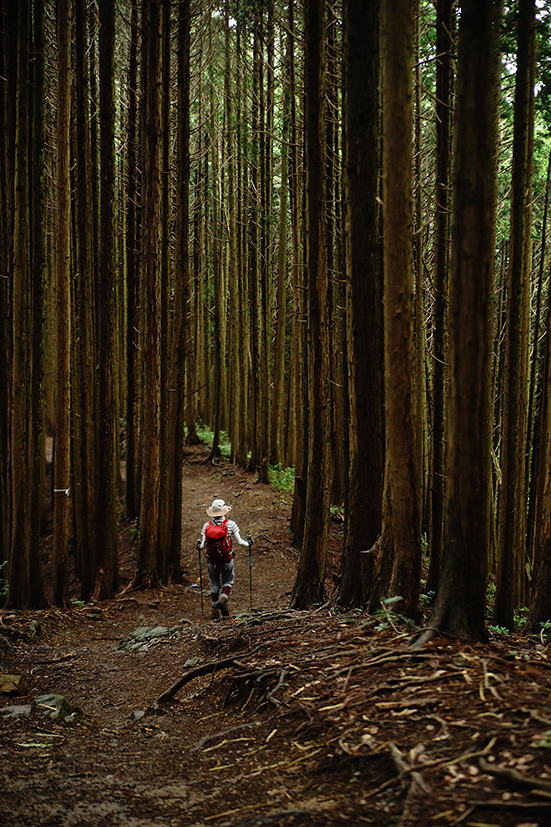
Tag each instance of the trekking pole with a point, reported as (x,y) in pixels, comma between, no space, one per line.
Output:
(250,541)
(200,575)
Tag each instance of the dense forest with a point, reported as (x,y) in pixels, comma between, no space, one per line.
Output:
(318,229)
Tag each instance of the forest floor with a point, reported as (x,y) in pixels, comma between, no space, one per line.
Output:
(310,718)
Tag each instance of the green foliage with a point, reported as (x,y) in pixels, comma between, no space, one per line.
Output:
(545,629)
(426,597)
(390,618)
(490,594)
(282,479)
(356,617)
(545,741)
(337,513)
(520,616)
(498,630)
(206,435)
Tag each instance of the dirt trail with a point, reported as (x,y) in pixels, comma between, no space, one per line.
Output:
(317,718)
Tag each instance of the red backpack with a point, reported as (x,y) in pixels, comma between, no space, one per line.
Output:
(218,543)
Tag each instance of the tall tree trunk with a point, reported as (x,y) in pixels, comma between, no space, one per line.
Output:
(243,353)
(25,584)
(106,575)
(132,281)
(540,603)
(182,285)
(62,465)
(84,402)
(167,353)
(36,225)
(515,425)
(5,337)
(309,583)
(537,384)
(361,68)
(298,401)
(148,550)
(265,305)
(445,27)
(336,293)
(234,332)
(219,298)
(254,241)
(278,396)
(400,544)
(460,604)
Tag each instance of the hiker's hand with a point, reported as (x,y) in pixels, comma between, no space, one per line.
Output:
(198,544)
(250,540)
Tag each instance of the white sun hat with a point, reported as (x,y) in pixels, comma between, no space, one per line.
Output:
(218,509)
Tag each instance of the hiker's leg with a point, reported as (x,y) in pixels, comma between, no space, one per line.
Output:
(228,576)
(214,577)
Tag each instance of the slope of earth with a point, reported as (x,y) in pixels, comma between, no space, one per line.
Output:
(142,711)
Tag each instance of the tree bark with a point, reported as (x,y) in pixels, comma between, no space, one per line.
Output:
(62,464)
(148,549)
(460,603)
(132,282)
(400,540)
(445,27)
(182,287)
(310,580)
(106,569)
(84,403)
(515,405)
(361,69)
(25,583)
(5,332)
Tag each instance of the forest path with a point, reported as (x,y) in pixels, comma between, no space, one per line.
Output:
(312,718)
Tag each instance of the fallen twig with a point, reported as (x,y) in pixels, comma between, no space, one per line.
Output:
(515,777)
(205,669)
(205,740)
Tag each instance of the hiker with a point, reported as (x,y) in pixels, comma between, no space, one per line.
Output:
(217,536)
